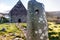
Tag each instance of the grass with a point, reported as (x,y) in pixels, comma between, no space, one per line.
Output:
(10,28)
(54,31)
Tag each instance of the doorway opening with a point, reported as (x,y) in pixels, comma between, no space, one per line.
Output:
(19,20)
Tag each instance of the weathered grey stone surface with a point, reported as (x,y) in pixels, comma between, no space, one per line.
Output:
(37,23)
(18,13)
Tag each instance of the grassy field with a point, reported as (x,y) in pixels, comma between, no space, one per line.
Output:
(9,31)
(54,31)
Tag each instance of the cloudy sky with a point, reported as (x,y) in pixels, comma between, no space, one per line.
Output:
(50,5)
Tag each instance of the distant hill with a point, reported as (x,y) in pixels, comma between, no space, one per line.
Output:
(54,13)
(53,16)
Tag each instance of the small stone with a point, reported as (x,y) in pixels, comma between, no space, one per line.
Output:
(36,32)
(43,34)
(3,29)
(29,37)
(41,37)
(16,39)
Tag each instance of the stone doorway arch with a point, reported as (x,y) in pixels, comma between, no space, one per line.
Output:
(19,20)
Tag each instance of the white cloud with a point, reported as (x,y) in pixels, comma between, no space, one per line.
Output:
(4,8)
(51,5)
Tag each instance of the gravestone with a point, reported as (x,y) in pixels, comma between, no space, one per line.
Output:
(36,21)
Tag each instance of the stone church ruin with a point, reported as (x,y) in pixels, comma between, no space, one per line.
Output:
(18,13)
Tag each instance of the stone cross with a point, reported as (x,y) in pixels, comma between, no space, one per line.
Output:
(36,21)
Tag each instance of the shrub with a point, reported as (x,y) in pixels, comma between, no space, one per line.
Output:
(4,20)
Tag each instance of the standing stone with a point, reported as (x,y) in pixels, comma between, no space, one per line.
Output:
(36,23)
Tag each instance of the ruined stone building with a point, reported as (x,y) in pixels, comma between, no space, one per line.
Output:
(18,13)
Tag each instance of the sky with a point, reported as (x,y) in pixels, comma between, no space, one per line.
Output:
(50,5)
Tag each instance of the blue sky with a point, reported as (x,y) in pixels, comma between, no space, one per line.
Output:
(50,5)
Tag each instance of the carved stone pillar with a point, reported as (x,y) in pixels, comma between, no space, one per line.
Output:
(36,22)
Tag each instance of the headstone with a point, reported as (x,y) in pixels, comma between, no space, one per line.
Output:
(36,21)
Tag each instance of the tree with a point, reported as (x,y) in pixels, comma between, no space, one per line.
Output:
(4,20)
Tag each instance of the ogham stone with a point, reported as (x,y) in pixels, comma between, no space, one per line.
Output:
(36,21)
